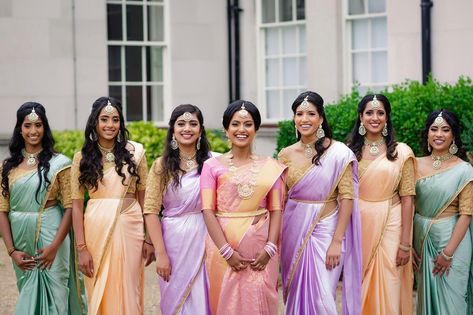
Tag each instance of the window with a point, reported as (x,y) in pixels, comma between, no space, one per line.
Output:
(367,45)
(282,56)
(136,49)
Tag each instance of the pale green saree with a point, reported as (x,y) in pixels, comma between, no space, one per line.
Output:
(57,290)
(447,294)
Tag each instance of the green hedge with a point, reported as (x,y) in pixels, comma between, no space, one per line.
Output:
(410,102)
(70,141)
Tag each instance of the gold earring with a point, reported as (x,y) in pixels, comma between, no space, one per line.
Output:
(362,129)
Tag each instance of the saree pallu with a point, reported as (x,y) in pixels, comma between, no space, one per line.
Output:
(386,289)
(114,234)
(447,294)
(246,291)
(309,288)
(54,291)
(184,234)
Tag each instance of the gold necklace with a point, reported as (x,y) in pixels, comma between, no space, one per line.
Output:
(31,158)
(107,153)
(189,160)
(374,146)
(245,189)
(438,159)
(308,151)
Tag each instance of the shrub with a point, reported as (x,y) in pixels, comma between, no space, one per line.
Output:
(410,102)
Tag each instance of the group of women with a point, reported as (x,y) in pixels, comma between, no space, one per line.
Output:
(222,227)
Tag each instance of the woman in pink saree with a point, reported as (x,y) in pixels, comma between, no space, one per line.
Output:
(321,227)
(242,197)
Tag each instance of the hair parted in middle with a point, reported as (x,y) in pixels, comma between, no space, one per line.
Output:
(235,106)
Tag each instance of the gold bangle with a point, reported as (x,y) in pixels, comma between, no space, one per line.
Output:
(11,250)
(447,258)
(404,248)
(81,247)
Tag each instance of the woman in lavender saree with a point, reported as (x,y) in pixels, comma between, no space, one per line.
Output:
(179,238)
(321,227)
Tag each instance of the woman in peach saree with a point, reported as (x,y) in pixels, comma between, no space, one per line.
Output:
(110,234)
(387,184)
(242,202)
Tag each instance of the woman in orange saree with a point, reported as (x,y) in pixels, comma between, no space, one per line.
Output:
(387,185)
(110,234)
(242,203)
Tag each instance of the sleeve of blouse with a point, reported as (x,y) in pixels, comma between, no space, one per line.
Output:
(77,192)
(4,201)
(143,173)
(154,193)
(465,203)
(208,187)
(407,185)
(345,185)
(275,197)
(64,182)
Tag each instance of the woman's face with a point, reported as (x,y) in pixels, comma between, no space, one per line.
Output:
(187,129)
(32,133)
(307,119)
(108,124)
(440,137)
(374,118)
(241,130)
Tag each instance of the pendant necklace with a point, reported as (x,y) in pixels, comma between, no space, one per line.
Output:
(189,160)
(308,151)
(107,153)
(438,159)
(374,146)
(31,158)
(245,189)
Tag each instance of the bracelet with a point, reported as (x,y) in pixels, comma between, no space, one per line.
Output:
(81,247)
(404,248)
(271,249)
(226,251)
(11,250)
(447,258)
(148,243)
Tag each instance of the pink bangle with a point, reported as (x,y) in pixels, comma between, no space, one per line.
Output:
(271,249)
(226,251)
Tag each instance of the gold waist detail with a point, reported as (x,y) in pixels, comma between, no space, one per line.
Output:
(314,201)
(436,219)
(242,214)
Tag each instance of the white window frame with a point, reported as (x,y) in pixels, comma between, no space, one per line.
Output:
(261,58)
(145,43)
(348,50)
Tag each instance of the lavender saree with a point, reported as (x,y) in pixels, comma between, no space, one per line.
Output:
(307,230)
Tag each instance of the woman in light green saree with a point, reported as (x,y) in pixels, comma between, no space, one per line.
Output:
(35,219)
(442,230)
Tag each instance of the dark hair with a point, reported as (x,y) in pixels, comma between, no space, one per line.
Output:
(17,143)
(91,167)
(318,102)
(170,162)
(453,122)
(236,106)
(357,141)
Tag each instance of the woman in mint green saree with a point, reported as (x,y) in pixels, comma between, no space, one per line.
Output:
(35,219)
(442,230)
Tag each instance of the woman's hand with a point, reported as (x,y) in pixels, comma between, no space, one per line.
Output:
(442,265)
(402,257)
(238,263)
(261,261)
(163,266)
(23,260)
(416,260)
(334,253)
(86,263)
(148,253)
(46,256)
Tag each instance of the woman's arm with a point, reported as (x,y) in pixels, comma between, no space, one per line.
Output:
(335,249)
(86,263)
(407,207)
(155,232)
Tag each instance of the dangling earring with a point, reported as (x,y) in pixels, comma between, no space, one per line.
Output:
(297,134)
(320,132)
(198,144)
(428,146)
(362,129)
(93,136)
(453,149)
(119,136)
(385,130)
(229,143)
(174,144)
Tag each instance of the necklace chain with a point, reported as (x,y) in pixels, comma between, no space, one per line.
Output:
(189,160)
(107,153)
(31,158)
(438,159)
(374,146)
(308,150)
(245,189)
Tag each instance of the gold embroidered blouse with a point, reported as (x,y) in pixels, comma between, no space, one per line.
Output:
(154,190)
(462,204)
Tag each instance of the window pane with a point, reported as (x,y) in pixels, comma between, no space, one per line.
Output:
(300,10)
(285,10)
(376,6)
(134,22)
(361,67)
(155,23)
(272,41)
(289,40)
(134,103)
(273,104)
(133,63)
(288,98)
(356,7)
(115,92)
(272,72)
(360,33)
(268,8)
(290,72)
(302,71)
(302,39)
(155,104)
(154,59)
(114,22)
(379,33)
(380,67)
(114,63)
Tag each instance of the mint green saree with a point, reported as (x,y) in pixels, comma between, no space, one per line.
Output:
(447,294)
(51,291)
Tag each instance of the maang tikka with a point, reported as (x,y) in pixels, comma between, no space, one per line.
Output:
(33,117)
(243,113)
(305,103)
(375,102)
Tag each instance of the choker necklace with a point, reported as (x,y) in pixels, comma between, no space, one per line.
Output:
(190,160)
(245,189)
(374,146)
(107,153)
(31,158)
(438,159)
(308,151)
